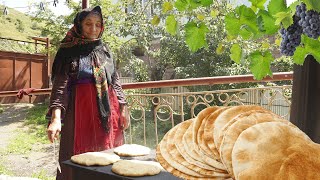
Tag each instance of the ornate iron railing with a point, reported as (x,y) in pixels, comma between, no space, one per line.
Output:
(153,114)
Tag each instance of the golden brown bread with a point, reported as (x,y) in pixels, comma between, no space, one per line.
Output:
(261,150)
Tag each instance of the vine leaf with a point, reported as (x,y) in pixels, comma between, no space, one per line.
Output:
(309,47)
(260,64)
(276,6)
(171,25)
(236,53)
(167,6)
(196,35)
(312,4)
(258,3)
(155,20)
(181,5)
(268,22)
(242,22)
(284,18)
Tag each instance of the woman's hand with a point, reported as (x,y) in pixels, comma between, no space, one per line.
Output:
(124,117)
(54,127)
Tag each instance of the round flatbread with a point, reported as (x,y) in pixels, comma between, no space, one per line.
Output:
(227,116)
(171,160)
(179,158)
(236,126)
(136,168)
(261,150)
(208,135)
(95,159)
(132,150)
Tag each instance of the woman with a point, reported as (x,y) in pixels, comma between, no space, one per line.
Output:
(86,97)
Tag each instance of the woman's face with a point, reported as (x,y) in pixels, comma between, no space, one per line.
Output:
(91,26)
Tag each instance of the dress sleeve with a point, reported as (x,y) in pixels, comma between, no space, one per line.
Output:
(118,89)
(59,93)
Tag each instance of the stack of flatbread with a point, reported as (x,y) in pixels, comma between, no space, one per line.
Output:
(240,142)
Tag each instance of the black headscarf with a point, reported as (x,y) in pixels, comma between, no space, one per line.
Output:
(75,45)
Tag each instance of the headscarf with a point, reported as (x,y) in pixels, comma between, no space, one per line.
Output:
(75,45)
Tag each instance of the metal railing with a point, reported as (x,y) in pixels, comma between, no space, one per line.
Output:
(152,115)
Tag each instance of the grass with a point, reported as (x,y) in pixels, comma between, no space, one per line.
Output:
(36,124)
(23,140)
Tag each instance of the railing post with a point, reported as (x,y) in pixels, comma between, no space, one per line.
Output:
(181,108)
(85,4)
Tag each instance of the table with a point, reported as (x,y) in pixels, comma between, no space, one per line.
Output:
(104,172)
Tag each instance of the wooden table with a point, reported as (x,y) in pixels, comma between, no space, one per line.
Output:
(105,173)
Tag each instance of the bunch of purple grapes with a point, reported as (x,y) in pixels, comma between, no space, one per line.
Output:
(309,21)
(291,37)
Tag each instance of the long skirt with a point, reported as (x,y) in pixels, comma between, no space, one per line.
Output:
(82,130)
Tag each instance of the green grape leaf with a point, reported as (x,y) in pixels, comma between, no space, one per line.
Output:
(220,49)
(155,20)
(276,6)
(299,55)
(200,17)
(181,5)
(258,3)
(260,64)
(236,53)
(206,2)
(244,22)
(214,13)
(232,24)
(196,35)
(171,25)
(309,46)
(193,4)
(312,4)
(284,18)
(267,23)
(167,6)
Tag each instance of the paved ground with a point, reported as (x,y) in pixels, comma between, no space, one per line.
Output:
(41,156)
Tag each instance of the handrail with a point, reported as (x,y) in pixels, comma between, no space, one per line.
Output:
(179,82)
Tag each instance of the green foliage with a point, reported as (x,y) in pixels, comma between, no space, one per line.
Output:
(309,47)
(196,35)
(171,25)
(236,53)
(260,64)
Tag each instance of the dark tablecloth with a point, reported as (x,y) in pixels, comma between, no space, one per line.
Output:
(104,172)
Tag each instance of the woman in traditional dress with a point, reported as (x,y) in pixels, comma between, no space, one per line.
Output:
(87,103)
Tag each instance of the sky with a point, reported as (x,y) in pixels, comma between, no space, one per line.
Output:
(22,5)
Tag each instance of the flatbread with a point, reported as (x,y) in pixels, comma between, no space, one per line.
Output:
(227,116)
(132,150)
(236,126)
(136,168)
(261,150)
(208,135)
(189,148)
(171,160)
(181,148)
(95,159)
(179,158)
(198,131)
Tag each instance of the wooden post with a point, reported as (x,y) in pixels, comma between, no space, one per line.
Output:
(85,4)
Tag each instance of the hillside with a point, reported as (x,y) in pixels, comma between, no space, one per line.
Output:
(17,25)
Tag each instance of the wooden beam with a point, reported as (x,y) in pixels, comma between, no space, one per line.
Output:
(85,4)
